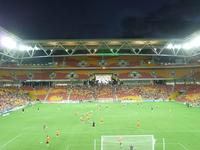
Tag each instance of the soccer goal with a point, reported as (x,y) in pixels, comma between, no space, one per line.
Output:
(127,142)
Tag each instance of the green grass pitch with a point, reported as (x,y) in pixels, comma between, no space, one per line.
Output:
(179,125)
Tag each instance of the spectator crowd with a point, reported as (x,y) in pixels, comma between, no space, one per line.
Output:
(11,98)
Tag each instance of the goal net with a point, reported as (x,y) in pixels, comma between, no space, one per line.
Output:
(127,142)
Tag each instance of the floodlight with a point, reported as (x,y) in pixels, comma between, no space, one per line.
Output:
(170,46)
(8,42)
(177,46)
(196,41)
(187,46)
(192,43)
(36,48)
(24,47)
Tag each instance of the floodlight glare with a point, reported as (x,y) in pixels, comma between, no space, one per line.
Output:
(187,46)
(196,42)
(8,42)
(193,43)
(29,48)
(36,48)
(177,46)
(170,46)
(24,47)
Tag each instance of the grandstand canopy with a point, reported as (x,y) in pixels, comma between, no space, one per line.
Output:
(25,49)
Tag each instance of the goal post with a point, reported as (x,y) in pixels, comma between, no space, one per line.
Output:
(127,142)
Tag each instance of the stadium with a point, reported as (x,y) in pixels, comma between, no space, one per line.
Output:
(99,94)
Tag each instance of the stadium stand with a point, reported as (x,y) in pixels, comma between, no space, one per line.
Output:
(116,92)
(11,98)
(64,74)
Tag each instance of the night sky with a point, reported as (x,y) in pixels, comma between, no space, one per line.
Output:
(46,19)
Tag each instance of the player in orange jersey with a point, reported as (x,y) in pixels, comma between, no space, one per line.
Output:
(48,139)
(101,121)
(58,133)
(138,124)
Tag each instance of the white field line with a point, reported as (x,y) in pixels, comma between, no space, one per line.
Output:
(67,148)
(163,143)
(180,144)
(183,146)
(139,135)
(10,141)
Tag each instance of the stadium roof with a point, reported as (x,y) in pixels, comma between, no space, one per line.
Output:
(16,48)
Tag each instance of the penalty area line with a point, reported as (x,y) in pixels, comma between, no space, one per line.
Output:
(10,141)
(67,148)
(183,146)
